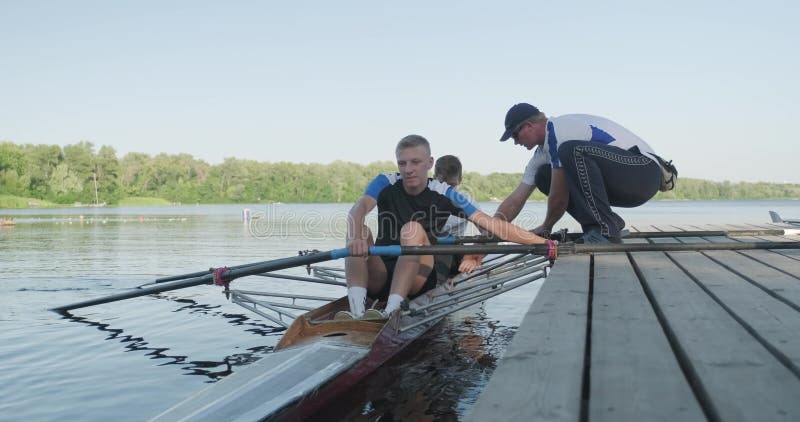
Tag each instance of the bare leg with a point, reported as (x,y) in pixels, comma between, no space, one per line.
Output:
(363,274)
(411,271)
(355,267)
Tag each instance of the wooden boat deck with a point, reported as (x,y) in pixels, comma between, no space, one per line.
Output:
(711,335)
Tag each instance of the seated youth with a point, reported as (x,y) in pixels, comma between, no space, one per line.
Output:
(411,209)
(448,169)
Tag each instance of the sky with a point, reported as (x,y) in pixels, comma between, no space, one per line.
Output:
(712,85)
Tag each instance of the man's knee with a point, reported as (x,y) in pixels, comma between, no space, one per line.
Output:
(412,233)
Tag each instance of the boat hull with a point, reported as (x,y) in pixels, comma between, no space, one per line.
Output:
(315,361)
(388,342)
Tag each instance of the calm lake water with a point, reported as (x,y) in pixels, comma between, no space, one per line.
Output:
(133,359)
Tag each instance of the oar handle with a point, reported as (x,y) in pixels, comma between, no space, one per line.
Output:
(549,249)
(397,250)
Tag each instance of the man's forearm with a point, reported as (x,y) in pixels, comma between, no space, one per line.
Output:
(355,224)
(555,210)
(508,209)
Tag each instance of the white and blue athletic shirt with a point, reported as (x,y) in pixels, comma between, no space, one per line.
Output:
(431,207)
(580,127)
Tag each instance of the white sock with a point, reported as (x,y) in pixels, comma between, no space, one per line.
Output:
(358,297)
(393,303)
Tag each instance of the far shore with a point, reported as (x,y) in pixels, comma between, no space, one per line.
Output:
(28,203)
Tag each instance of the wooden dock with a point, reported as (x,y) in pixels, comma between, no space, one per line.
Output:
(655,336)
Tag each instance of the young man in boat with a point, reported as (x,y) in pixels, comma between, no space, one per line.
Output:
(448,169)
(412,209)
(584,164)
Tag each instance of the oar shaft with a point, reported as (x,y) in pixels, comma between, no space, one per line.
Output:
(573,248)
(182,276)
(208,278)
(236,267)
(163,287)
(637,235)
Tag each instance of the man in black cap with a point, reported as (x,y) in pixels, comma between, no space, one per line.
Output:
(584,164)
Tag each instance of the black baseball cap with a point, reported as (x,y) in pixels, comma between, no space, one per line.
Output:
(516,115)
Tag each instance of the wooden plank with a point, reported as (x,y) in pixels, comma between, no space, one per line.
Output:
(541,374)
(736,377)
(663,228)
(634,373)
(679,227)
(771,238)
(722,227)
(791,253)
(648,228)
(784,238)
(743,226)
(778,283)
(773,258)
(759,226)
(775,323)
(784,226)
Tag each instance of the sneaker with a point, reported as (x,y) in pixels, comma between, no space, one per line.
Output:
(593,237)
(375,314)
(344,316)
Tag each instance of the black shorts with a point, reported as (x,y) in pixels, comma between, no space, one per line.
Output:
(446,266)
(390,262)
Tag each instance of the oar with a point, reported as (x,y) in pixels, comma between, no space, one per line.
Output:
(220,276)
(196,274)
(575,248)
(226,275)
(450,240)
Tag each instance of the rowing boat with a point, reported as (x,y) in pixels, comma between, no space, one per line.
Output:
(318,357)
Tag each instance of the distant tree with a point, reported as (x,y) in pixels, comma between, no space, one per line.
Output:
(65,184)
(67,175)
(13,163)
(80,158)
(107,169)
(42,162)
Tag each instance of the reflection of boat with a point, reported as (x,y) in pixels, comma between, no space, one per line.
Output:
(319,357)
(7,221)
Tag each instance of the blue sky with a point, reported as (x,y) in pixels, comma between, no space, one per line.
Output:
(711,85)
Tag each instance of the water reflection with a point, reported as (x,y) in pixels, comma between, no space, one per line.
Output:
(438,377)
(193,307)
(213,370)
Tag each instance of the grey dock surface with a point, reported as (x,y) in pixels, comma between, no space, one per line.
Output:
(655,336)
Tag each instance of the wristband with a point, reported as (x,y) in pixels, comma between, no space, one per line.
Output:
(552,250)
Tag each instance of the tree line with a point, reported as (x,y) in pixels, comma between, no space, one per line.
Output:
(67,175)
